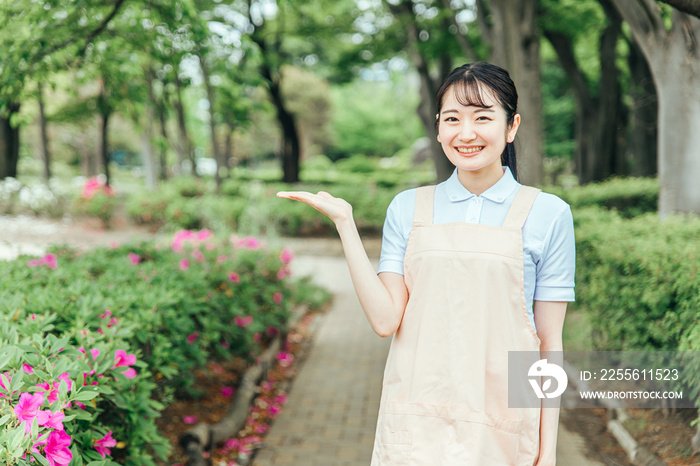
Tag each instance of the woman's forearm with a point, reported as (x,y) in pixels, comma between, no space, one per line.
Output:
(383,310)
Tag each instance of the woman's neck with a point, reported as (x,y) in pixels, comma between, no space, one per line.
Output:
(479,181)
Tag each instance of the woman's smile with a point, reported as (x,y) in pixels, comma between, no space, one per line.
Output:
(469,150)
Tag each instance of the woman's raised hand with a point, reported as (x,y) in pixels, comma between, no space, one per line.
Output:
(335,208)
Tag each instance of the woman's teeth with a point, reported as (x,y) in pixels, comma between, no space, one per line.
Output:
(470,150)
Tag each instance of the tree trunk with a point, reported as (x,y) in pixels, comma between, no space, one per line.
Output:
(184,148)
(644,117)
(673,56)
(44,138)
(597,116)
(104,152)
(515,46)
(427,107)
(147,150)
(9,143)
(163,165)
(212,121)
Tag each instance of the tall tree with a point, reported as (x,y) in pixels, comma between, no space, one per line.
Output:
(669,41)
(36,38)
(599,104)
(511,30)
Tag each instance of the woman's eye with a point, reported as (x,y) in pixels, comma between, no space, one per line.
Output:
(483,118)
(450,119)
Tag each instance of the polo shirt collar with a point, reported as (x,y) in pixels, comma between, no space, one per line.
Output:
(499,192)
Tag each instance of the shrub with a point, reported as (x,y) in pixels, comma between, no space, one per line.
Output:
(146,317)
(630,197)
(96,200)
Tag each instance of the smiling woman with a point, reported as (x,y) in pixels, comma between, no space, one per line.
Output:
(470,269)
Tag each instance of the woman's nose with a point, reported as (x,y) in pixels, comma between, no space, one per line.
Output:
(466,132)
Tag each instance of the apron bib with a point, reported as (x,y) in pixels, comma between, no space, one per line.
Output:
(444,397)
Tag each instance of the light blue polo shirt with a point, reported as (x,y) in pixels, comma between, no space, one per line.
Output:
(549,257)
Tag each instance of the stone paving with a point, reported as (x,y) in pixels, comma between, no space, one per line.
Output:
(331,412)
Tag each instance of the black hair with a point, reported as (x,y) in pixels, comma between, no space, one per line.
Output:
(469,81)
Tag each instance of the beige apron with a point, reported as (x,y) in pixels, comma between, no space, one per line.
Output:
(444,398)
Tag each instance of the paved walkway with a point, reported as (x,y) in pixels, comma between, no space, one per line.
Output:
(330,415)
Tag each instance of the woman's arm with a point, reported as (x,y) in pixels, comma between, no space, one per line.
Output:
(383,297)
(549,321)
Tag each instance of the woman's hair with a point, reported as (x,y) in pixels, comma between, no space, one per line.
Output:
(469,81)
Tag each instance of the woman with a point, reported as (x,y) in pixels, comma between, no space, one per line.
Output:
(470,269)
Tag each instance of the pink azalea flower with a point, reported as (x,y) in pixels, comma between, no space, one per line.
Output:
(27,368)
(283,273)
(203,235)
(274,410)
(284,358)
(261,428)
(57,449)
(121,359)
(8,377)
(271,331)
(286,256)
(249,242)
(191,338)
(134,258)
(28,407)
(94,352)
(243,321)
(227,392)
(234,277)
(280,399)
(189,419)
(221,259)
(50,419)
(184,264)
(198,256)
(225,345)
(106,314)
(277,297)
(257,337)
(49,260)
(104,444)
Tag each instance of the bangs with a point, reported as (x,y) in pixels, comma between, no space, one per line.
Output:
(468,92)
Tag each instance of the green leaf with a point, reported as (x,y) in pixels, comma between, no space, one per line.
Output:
(6,354)
(39,457)
(15,438)
(85,395)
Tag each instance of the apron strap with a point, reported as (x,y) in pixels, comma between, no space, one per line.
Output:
(424,205)
(519,210)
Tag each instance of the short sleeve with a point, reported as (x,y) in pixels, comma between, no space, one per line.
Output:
(556,268)
(394,237)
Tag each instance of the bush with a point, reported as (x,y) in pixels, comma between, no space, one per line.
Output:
(638,279)
(96,200)
(630,197)
(125,329)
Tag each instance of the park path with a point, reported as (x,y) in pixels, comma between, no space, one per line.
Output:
(330,416)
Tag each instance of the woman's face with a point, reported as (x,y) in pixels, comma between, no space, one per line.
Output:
(473,138)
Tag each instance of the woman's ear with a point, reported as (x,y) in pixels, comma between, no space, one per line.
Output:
(513,129)
(437,127)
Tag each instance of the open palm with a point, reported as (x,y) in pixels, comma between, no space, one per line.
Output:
(334,208)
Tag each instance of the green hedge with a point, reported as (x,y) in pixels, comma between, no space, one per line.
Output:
(630,197)
(252,207)
(638,281)
(170,308)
